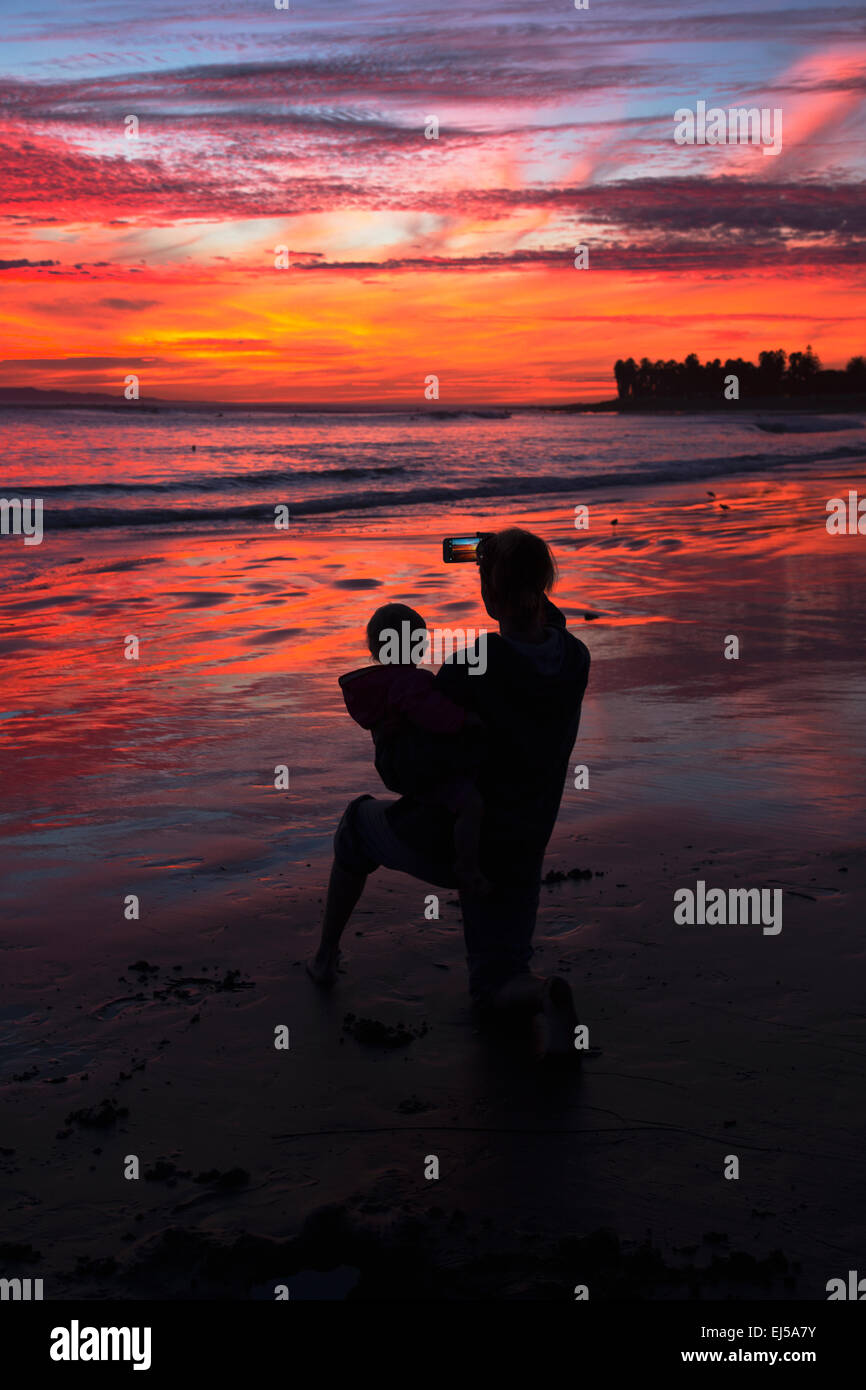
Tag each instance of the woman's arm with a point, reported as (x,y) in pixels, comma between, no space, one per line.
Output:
(452,680)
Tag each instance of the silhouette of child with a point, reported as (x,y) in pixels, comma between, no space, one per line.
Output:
(427,747)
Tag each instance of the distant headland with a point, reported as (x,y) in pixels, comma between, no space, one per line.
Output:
(774,377)
(776,382)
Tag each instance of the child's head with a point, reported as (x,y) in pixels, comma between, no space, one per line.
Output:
(397,635)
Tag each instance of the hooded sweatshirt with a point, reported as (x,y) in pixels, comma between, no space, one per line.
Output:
(376,694)
(529,698)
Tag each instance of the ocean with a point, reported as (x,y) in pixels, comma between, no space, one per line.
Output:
(153,761)
(109,469)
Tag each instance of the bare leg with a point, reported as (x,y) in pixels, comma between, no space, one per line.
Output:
(344,890)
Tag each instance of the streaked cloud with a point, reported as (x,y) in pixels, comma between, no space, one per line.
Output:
(305,128)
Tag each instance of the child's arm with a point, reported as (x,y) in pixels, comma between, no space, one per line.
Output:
(422,704)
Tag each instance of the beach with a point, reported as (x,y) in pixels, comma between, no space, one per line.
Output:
(153,1035)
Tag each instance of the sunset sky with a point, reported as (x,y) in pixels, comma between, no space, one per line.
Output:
(261,127)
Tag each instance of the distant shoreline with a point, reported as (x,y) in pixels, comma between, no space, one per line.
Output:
(31,398)
(820,405)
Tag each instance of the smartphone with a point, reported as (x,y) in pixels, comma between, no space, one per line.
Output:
(460,550)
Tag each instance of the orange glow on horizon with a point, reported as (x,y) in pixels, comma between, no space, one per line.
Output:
(518,336)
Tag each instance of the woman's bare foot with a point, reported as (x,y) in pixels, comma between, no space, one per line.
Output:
(523,994)
(322,970)
(554,1026)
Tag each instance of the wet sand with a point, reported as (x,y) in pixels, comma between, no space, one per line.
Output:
(155,1037)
